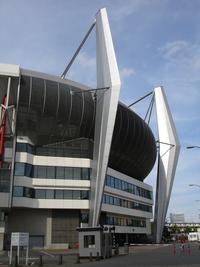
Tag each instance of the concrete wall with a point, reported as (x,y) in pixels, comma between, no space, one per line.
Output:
(29,220)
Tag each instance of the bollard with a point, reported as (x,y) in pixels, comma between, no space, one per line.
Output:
(16,261)
(60,262)
(40,260)
(90,256)
(97,258)
(77,259)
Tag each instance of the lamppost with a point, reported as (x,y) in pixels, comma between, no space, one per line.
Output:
(190,147)
(197,185)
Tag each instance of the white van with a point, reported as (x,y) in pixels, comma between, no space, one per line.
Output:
(195,236)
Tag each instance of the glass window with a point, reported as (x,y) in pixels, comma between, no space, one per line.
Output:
(134,189)
(35,171)
(28,192)
(116,201)
(77,173)
(123,185)
(112,181)
(108,180)
(84,217)
(67,194)
(84,194)
(59,194)
(69,173)
(137,191)
(107,199)
(30,149)
(40,193)
(85,174)
(41,172)
(18,191)
(76,194)
(60,172)
(49,193)
(111,200)
(28,170)
(130,188)
(117,183)
(21,147)
(19,169)
(50,172)
(89,241)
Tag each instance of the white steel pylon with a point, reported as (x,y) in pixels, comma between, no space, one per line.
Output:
(169,148)
(106,110)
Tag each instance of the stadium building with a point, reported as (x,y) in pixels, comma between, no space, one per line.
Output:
(72,156)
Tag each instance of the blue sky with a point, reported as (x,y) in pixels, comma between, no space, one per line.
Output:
(156,43)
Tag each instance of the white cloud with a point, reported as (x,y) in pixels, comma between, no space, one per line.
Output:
(86,61)
(185,55)
(171,49)
(127,72)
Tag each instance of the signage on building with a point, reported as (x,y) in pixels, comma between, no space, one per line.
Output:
(20,239)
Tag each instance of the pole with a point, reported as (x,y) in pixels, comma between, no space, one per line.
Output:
(77,51)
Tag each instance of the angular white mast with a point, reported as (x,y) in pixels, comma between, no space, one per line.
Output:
(106,109)
(169,148)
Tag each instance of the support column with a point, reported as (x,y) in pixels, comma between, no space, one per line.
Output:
(2,229)
(106,109)
(48,239)
(169,148)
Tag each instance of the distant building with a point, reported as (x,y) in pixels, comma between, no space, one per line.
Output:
(177,218)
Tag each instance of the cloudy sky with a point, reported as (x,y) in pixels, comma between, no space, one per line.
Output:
(157,42)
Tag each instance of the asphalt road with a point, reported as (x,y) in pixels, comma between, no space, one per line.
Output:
(139,256)
(152,256)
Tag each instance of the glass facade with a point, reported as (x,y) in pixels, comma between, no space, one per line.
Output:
(81,149)
(51,172)
(125,221)
(20,191)
(127,187)
(111,200)
(4,180)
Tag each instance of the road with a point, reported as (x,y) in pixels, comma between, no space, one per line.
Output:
(139,256)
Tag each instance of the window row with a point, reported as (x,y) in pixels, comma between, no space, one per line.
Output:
(107,199)
(50,172)
(128,187)
(20,191)
(78,152)
(4,180)
(121,221)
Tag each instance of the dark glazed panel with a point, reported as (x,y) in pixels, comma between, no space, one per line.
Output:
(52,112)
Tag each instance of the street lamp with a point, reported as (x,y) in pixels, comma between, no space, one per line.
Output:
(190,147)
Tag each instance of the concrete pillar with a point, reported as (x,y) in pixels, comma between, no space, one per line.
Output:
(48,232)
(2,233)
(1,241)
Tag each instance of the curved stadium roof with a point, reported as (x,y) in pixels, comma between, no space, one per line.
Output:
(51,110)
